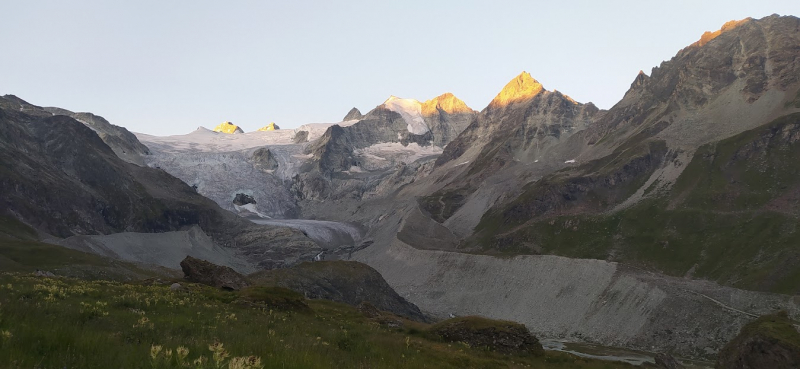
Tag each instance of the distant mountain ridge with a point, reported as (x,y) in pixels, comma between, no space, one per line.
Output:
(663,223)
(119,139)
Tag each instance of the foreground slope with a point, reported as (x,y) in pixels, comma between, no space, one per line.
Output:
(61,322)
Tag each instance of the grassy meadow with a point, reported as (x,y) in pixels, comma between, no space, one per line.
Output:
(72,323)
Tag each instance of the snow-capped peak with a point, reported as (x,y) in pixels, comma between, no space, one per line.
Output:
(411,111)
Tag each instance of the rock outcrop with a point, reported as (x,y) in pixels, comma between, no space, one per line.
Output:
(348,282)
(771,341)
(201,271)
(242,199)
(228,127)
(496,335)
(265,159)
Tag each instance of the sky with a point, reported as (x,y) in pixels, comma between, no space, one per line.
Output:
(168,67)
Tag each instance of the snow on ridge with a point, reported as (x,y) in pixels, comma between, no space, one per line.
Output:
(203,140)
(411,111)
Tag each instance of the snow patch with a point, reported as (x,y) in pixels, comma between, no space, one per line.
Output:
(396,150)
(570,161)
(411,111)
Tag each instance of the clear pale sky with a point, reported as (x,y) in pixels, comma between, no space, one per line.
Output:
(167,67)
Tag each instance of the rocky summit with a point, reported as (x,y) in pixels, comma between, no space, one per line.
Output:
(665,227)
(353,114)
(270,127)
(523,87)
(228,127)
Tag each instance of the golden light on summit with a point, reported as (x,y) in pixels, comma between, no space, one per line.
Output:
(228,127)
(523,87)
(446,102)
(270,127)
(729,25)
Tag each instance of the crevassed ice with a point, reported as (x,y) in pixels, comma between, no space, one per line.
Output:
(411,111)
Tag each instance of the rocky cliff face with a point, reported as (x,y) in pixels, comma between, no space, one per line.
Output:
(521,135)
(447,116)
(396,133)
(710,90)
(523,118)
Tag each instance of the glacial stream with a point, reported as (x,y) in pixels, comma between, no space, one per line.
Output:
(632,357)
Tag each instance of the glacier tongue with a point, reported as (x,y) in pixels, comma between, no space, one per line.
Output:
(411,111)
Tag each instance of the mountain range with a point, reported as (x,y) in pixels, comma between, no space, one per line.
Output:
(666,222)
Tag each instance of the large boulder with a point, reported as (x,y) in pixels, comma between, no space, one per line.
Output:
(204,272)
(771,341)
(348,282)
(496,335)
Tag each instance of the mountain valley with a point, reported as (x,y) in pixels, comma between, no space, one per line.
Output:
(665,224)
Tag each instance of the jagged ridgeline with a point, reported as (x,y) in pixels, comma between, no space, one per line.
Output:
(691,173)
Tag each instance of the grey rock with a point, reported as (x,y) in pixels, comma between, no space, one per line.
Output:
(264,159)
(301,137)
